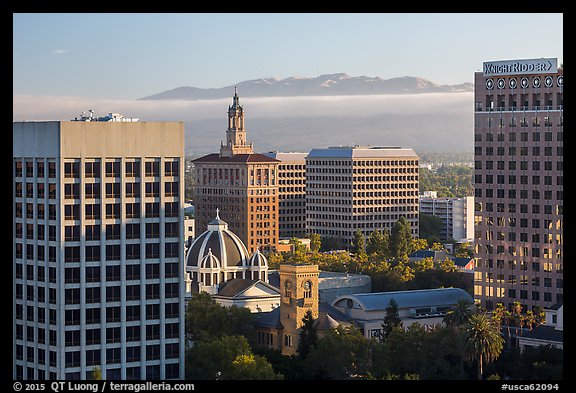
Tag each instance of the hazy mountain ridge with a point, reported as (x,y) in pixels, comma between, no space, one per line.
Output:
(324,85)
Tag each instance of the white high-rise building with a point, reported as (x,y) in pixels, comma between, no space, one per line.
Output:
(457,215)
(98,249)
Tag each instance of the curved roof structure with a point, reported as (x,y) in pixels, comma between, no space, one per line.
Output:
(405,299)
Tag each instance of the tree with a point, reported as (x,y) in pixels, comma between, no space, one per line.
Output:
(430,227)
(251,367)
(308,336)
(400,238)
(207,319)
(391,319)
(378,244)
(358,243)
(464,250)
(96,374)
(342,353)
(315,242)
(213,359)
(458,316)
(483,340)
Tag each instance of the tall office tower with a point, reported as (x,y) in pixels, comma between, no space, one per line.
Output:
(241,184)
(291,193)
(457,215)
(360,188)
(518,146)
(98,249)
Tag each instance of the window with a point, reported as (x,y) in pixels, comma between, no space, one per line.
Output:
(132,231)
(172,250)
(152,250)
(152,168)
(152,189)
(112,210)
(113,252)
(112,294)
(113,314)
(132,272)
(171,330)
(72,317)
(133,292)
(133,333)
(72,233)
(152,271)
(113,169)
(152,331)
(72,212)
(93,295)
(71,254)
(171,290)
(152,292)
(171,168)
(133,251)
(132,354)
(92,232)
(92,212)
(171,189)
(153,209)
(132,169)
(72,170)
(72,191)
(112,190)
(113,356)
(92,191)
(93,357)
(112,231)
(133,190)
(71,275)
(171,229)
(92,169)
(133,210)
(92,336)
(153,230)
(113,273)
(92,253)
(133,313)
(171,209)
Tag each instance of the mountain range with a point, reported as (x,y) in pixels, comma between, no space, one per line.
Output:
(324,85)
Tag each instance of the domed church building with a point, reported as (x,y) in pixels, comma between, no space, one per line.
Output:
(218,261)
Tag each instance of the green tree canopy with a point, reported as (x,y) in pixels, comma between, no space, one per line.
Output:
(308,335)
(400,238)
(391,319)
(430,227)
(213,359)
(378,243)
(251,367)
(206,319)
(358,243)
(484,342)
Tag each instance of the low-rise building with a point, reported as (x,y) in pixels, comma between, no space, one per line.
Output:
(426,307)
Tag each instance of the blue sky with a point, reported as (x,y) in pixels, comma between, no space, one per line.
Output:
(128,56)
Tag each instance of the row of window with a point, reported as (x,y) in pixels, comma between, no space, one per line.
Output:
(547,195)
(536,135)
(92,169)
(336,163)
(97,294)
(112,373)
(521,165)
(523,151)
(92,273)
(94,232)
(95,316)
(512,293)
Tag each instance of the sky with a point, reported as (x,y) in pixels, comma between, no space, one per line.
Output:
(128,56)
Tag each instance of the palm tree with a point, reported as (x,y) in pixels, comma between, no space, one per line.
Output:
(459,315)
(502,316)
(484,342)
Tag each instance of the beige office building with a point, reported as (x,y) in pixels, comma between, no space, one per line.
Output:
(360,188)
(291,193)
(98,249)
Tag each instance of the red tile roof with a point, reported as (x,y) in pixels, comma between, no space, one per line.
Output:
(255,157)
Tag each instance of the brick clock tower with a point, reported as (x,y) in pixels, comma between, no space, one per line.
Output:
(299,293)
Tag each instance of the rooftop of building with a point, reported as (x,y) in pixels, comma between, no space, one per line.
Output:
(378,301)
(287,156)
(362,152)
(236,158)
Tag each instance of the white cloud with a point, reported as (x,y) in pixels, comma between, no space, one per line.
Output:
(60,51)
(27,107)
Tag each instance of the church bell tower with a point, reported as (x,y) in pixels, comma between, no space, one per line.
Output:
(299,293)
(236,132)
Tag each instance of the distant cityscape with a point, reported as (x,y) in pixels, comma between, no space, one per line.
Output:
(135,261)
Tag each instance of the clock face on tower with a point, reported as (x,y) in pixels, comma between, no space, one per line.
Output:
(288,284)
(306,285)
